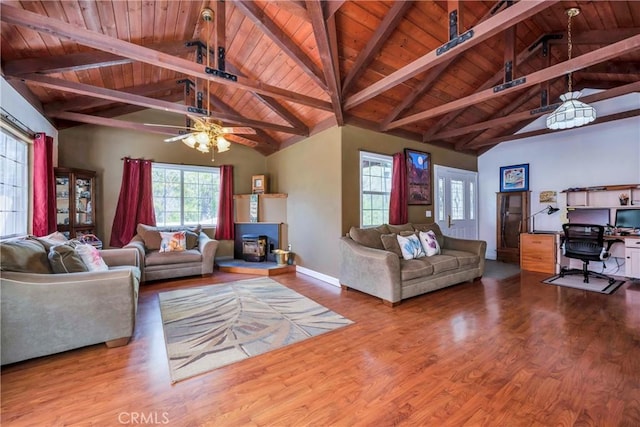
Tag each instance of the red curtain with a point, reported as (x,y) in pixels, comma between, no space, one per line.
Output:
(44,186)
(224,229)
(135,203)
(398,203)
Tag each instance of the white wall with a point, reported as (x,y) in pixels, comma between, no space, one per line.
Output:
(599,154)
(18,107)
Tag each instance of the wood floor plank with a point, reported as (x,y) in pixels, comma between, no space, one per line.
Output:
(486,353)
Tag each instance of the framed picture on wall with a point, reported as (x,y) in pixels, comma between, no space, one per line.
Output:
(418,177)
(514,178)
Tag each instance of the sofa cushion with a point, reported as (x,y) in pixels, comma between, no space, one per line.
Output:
(442,263)
(170,258)
(24,256)
(399,228)
(173,241)
(390,242)
(64,259)
(433,227)
(414,268)
(53,239)
(410,246)
(464,258)
(429,242)
(369,237)
(150,235)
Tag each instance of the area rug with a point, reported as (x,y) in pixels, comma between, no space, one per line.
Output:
(576,281)
(213,326)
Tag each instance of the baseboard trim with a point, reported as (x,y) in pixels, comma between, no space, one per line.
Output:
(325,278)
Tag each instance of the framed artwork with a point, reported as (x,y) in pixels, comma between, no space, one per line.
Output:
(514,178)
(418,177)
(258,184)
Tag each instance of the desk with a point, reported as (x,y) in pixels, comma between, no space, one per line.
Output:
(543,253)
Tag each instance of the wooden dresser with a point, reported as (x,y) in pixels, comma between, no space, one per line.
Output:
(538,252)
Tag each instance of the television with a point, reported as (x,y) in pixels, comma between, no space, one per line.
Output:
(599,216)
(627,218)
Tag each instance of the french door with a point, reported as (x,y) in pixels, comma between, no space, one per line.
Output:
(456,201)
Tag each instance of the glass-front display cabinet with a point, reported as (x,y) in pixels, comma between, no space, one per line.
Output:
(75,202)
(513,211)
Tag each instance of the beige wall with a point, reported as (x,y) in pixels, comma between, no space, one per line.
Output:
(101,149)
(356,139)
(310,172)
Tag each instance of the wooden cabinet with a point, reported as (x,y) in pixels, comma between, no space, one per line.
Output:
(513,211)
(632,256)
(538,252)
(75,201)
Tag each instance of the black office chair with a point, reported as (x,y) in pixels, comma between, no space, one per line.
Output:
(585,242)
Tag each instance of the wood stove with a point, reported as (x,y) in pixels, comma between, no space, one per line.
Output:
(254,247)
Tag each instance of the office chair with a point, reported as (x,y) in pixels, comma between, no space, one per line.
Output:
(585,242)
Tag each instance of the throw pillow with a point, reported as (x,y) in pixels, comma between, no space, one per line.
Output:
(429,242)
(192,240)
(410,246)
(173,241)
(150,235)
(390,242)
(24,256)
(64,259)
(91,258)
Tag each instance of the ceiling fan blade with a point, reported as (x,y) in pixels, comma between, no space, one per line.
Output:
(177,137)
(238,130)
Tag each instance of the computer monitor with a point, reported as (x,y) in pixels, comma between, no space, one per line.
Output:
(627,218)
(598,216)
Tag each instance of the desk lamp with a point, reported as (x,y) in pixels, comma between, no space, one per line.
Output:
(550,210)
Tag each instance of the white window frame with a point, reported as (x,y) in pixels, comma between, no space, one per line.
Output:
(182,169)
(368,156)
(15,188)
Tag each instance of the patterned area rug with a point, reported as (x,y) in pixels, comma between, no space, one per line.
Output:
(576,281)
(213,326)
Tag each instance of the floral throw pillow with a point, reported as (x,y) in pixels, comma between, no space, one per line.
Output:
(410,246)
(91,258)
(173,241)
(429,242)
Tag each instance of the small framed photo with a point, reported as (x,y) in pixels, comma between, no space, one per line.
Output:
(258,184)
(514,178)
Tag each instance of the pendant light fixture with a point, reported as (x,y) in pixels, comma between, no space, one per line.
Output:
(571,113)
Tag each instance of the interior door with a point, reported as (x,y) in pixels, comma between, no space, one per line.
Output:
(456,202)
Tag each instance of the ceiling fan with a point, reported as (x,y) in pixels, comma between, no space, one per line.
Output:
(203,134)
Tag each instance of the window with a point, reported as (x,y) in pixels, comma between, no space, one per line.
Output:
(14,186)
(375,188)
(185,195)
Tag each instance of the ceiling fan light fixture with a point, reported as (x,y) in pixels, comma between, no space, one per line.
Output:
(223,144)
(571,113)
(202,138)
(203,148)
(190,141)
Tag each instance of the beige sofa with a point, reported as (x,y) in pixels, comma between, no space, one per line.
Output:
(197,259)
(45,313)
(368,267)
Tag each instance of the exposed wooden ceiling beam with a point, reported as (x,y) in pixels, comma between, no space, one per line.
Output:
(83,60)
(328,56)
(43,24)
(295,7)
(614,67)
(379,37)
(528,115)
(156,104)
(599,120)
(104,121)
(80,103)
(522,57)
(484,30)
(596,37)
(562,68)
(282,40)
(331,7)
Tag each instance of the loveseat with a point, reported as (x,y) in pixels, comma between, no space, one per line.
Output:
(45,313)
(162,259)
(372,263)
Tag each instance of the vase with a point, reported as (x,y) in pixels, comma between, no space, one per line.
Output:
(624,202)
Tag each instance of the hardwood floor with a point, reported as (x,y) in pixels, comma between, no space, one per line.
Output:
(497,353)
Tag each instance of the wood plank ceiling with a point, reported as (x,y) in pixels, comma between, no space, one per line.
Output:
(302,66)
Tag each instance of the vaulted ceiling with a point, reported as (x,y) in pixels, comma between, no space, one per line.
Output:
(432,71)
